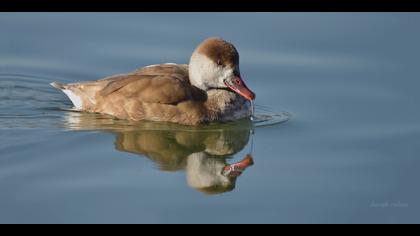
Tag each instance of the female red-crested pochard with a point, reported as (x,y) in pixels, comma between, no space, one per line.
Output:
(208,89)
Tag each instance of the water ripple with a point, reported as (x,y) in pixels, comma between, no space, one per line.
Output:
(26,101)
(264,116)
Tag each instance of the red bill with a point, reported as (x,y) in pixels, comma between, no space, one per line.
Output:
(239,87)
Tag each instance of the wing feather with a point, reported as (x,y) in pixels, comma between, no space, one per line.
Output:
(158,84)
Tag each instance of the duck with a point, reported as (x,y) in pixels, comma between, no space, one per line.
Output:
(208,89)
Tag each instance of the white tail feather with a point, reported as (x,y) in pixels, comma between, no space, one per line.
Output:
(75,99)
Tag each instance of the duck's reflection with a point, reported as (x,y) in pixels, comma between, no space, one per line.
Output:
(203,152)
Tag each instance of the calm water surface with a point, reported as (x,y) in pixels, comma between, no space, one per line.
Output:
(349,153)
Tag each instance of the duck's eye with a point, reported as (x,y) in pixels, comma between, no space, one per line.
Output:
(219,62)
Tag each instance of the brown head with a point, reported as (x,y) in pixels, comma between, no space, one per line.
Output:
(214,64)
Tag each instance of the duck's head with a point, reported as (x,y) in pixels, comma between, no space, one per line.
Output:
(212,175)
(214,64)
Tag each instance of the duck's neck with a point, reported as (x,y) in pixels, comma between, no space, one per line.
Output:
(224,105)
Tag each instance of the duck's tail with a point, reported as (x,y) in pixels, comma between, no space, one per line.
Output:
(58,85)
(72,93)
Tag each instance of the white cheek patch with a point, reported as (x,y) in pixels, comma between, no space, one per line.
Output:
(205,73)
(224,74)
(219,75)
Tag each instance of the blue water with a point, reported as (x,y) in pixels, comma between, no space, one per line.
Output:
(348,154)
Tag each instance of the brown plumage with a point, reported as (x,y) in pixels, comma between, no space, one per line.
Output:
(165,92)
